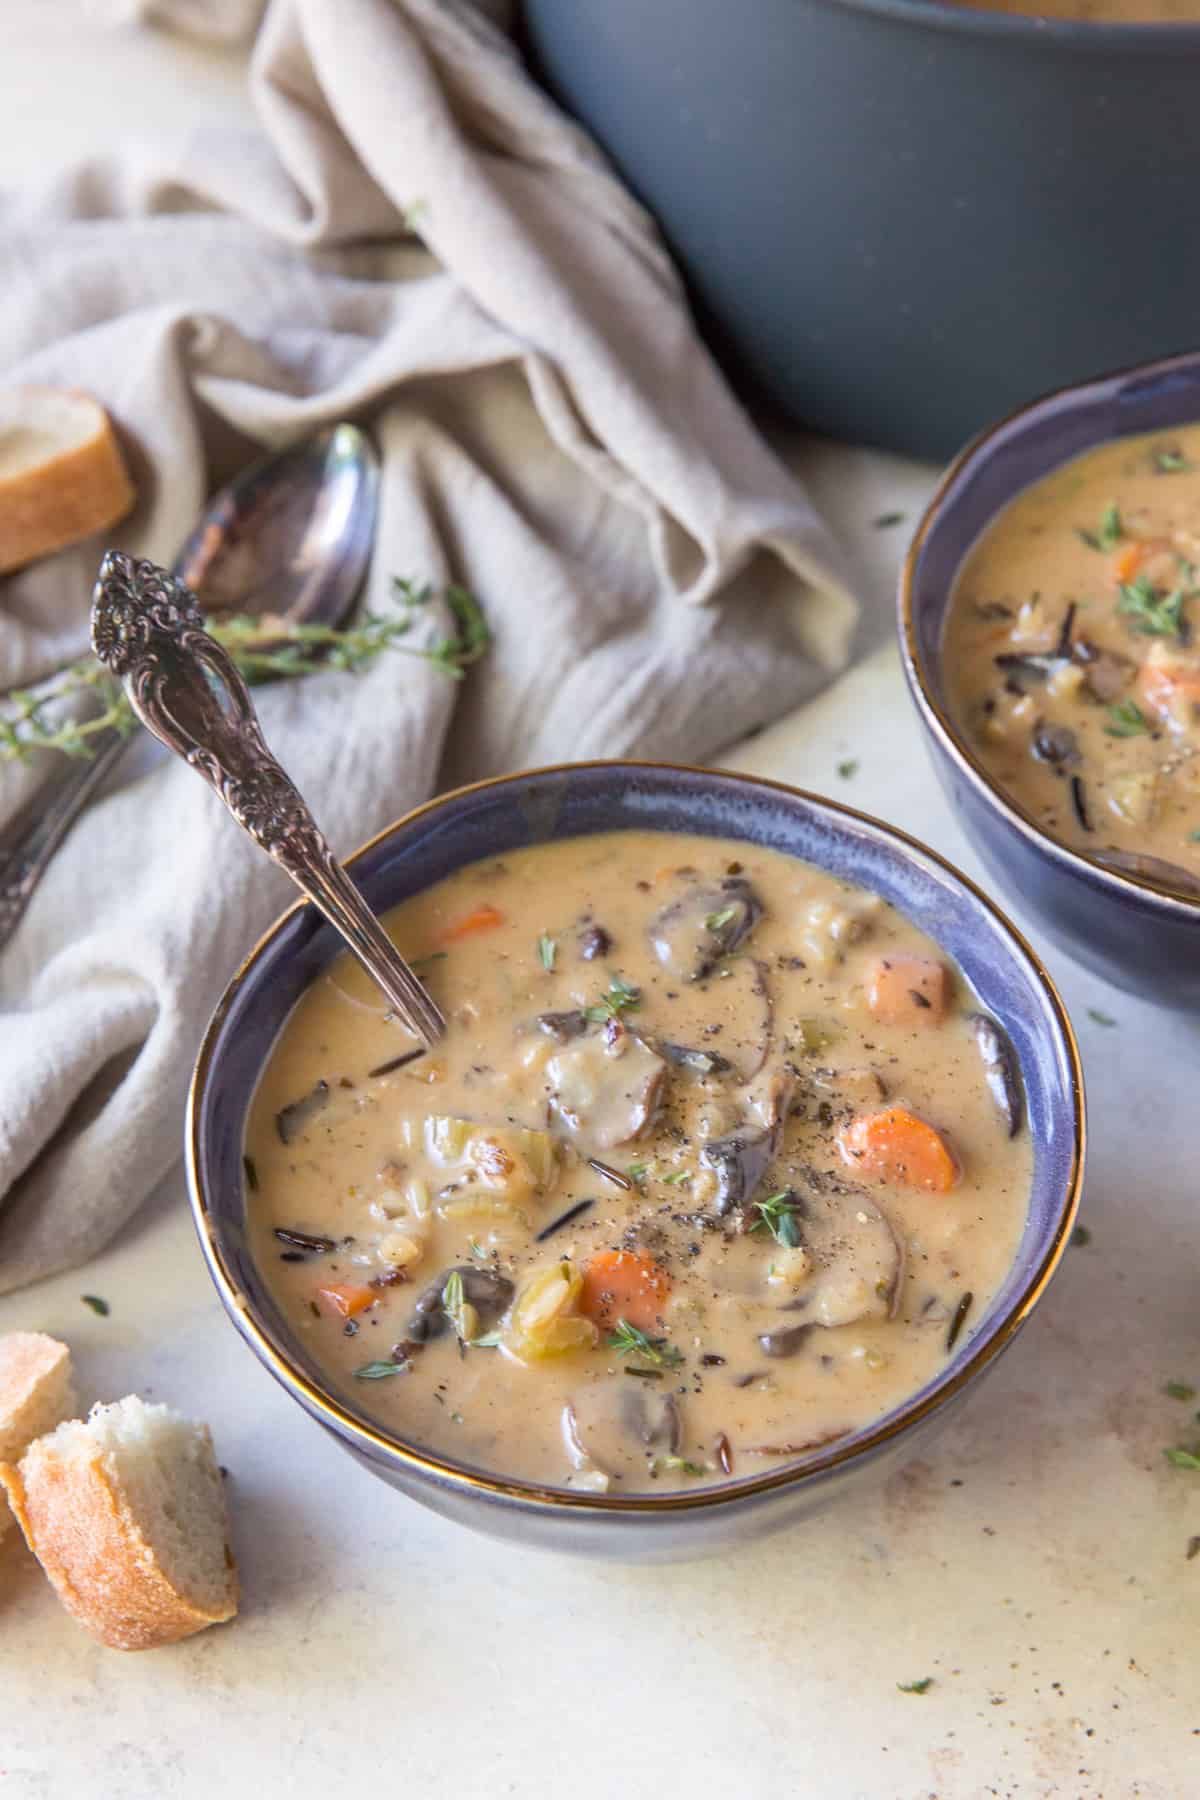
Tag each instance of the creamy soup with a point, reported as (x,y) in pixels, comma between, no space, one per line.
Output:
(715,1164)
(1071,655)
(1099,12)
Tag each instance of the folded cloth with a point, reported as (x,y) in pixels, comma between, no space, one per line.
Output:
(417,238)
(211,21)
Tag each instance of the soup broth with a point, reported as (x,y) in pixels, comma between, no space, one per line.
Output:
(715,1162)
(1071,655)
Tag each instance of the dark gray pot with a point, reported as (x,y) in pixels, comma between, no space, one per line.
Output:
(901,219)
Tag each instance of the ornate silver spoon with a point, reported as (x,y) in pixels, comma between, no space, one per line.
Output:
(290,539)
(148,629)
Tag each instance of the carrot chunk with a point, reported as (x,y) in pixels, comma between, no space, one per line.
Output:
(909,990)
(894,1145)
(345,1299)
(1129,559)
(621,1284)
(1170,689)
(482,918)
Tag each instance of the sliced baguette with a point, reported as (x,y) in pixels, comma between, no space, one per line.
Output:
(62,475)
(126,1514)
(35,1395)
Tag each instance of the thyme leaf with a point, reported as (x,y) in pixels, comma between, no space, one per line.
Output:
(1126,719)
(716,921)
(454,1303)
(1178,1390)
(1170,462)
(916,1687)
(677,1462)
(1183,1459)
(547,951)
(379,1371)
(1110,533)
(97,1304)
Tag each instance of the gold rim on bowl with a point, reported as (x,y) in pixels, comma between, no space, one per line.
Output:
(366,1437)
(938,717)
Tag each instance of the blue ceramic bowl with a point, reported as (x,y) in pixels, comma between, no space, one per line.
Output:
(571,801)
(1132,933)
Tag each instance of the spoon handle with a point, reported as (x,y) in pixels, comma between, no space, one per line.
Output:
(148,629)
(25,854)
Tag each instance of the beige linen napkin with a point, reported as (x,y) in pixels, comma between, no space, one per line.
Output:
(553,435)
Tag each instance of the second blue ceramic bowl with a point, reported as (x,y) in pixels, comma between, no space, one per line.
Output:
(1134,934)
(572,801)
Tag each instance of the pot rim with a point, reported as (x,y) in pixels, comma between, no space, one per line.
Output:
(921,685)
(1032,29)
(367,1439)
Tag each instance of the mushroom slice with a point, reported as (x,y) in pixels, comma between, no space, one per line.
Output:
(709,919)
(745,997)
(608,1425)
(563,1026)
(488,1292)
(741,1158)
(786,1341)
(858,1260)
(685,1056)
(1001,1069)
(1106,674)
(606,1087)
(291,1121)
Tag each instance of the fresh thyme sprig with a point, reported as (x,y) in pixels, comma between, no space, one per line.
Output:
(621,997)
(28,725)
(262,649)
(627,1340)
(1152,613)
(777,1214)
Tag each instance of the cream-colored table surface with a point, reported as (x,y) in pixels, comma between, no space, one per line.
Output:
(1033,1563)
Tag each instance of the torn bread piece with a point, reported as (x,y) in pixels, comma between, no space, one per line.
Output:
(35,1395)
(62,474)
(126,1514)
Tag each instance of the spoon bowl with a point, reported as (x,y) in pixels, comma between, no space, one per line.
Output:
(289,538)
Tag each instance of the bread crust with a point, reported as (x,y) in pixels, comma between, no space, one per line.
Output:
(35,1394)
(79,1526)
(81,489)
